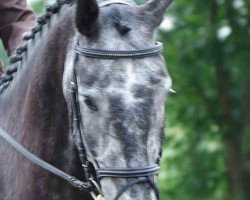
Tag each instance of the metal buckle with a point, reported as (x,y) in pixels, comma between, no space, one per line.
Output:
(100,195)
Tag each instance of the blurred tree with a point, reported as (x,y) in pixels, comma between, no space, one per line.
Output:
(207,56)
(3,54)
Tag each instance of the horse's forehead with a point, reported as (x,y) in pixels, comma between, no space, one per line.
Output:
(124,74)
(128,80)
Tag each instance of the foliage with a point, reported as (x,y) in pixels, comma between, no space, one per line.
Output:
(3,54)
(206,152)
(205,155)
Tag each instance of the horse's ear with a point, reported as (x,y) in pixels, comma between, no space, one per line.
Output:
(87,12)
(155,9)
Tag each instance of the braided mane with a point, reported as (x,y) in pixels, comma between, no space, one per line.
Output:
(10,70)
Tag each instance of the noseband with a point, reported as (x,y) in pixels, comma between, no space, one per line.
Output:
(139,175)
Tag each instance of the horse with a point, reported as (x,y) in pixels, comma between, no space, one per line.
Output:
(86,93)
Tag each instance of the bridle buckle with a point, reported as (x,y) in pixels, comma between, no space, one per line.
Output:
(95,185)
(100,197)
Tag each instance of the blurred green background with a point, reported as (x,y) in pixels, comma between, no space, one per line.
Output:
(206,154)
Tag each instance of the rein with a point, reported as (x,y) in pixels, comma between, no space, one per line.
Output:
(140,175)
(85,186)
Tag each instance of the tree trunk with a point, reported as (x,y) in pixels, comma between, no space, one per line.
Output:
(228,126)
(234,167)
(231,132)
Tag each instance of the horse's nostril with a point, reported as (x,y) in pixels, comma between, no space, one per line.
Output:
(90,104)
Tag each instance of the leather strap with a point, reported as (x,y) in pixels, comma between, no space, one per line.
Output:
(106,3)
(128,173)
(136,181)
(41,163)
(110,54)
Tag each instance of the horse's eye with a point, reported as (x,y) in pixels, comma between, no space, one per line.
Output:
(90,104)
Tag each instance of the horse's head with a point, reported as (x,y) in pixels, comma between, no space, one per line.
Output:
(121,101)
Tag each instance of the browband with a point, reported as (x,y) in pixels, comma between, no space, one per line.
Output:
(106,3)
(111,54)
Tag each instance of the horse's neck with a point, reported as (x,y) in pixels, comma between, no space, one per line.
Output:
(34,111)
(41,69)
(33,106)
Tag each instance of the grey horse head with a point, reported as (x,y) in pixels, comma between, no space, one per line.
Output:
(122,101)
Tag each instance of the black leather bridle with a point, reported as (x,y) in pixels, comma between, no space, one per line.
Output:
(139,175)
(108,54)
(90,184)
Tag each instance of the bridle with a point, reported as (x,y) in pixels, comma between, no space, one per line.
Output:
(139,175)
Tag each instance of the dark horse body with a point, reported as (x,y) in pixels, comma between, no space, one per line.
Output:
(34,110)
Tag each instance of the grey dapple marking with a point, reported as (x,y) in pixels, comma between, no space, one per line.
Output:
(129,95)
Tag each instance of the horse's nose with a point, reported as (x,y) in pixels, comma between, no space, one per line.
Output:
(130,189)
(139,192)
